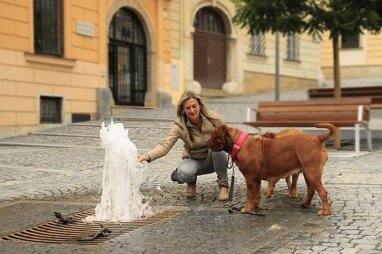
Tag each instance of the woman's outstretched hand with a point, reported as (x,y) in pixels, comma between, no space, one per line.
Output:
(142,157)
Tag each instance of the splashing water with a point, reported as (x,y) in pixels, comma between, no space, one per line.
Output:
(122,176)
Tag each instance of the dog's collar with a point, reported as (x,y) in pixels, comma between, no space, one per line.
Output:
(237,145)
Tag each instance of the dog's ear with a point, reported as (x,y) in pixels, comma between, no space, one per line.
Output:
(224,129)
(269,135)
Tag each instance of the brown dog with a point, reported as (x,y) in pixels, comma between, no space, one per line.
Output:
(269,159)
(292,186)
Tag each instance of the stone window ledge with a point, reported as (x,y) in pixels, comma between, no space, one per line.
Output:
(51,60)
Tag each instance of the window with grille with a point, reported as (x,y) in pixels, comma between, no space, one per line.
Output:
(350,42)
(127,59)
(257,46)
(50,109)
(48,27)
(293,47)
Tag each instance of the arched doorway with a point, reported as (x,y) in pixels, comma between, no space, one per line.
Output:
(210,48)
(127,59)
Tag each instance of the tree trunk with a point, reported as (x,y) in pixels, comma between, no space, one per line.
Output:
(336,68)
(337,84)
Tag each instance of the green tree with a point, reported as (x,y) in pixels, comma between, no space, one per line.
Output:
(340,18)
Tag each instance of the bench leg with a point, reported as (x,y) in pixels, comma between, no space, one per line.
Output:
(337,139)
(369,141)
(357,138)
(248,116)
(259,130)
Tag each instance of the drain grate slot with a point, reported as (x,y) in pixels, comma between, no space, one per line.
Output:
(53,232)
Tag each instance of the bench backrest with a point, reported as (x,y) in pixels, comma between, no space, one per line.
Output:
(331,109)
(348,89)
(369,91)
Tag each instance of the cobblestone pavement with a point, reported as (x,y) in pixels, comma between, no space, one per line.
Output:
(66,164)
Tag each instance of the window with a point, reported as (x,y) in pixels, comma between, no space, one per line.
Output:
(50,109)
(48,27)
(350,42)
(293,47)
(127,59)
(257,46)
(207,19)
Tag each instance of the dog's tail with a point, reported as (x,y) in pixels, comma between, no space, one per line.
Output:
(327,135)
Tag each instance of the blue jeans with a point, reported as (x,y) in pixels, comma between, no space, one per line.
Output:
(189,169)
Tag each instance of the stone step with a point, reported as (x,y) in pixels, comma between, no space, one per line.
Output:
(123,109)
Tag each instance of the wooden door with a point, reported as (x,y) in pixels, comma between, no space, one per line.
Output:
(209,49)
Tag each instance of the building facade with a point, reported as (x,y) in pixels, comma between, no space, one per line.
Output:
(360,60)
(217,54)
(64,61)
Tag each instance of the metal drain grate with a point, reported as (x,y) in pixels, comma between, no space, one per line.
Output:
(53,232)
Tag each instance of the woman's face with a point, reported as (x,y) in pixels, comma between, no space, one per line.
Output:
(192,109)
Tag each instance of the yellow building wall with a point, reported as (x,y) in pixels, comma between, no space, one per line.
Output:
(15,25)
(259,70)
(177,84)
(78,46)
(361,63)
(374,49)
(164,23)
(76,77)
(25,76)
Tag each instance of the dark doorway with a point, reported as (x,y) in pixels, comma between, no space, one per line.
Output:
(127,59)
(210,48)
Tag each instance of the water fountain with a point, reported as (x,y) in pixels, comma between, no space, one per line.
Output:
(121,199)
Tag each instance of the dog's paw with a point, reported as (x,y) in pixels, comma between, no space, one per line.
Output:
(248,209)
(305,204)
(323,212)
(293,194)
(245,210)
(268,195)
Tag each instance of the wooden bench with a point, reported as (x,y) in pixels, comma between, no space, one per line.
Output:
(373,92)
(342,112)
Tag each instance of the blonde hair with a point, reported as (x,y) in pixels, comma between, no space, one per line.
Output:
(203,110)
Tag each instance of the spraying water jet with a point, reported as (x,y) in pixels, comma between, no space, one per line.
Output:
(122,177)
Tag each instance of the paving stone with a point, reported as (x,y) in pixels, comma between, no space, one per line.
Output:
(350,250)
(365,246)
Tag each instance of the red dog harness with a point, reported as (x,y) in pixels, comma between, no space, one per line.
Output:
(237,145)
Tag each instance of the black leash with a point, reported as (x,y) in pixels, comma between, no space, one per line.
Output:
(230,194)
(236,207)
